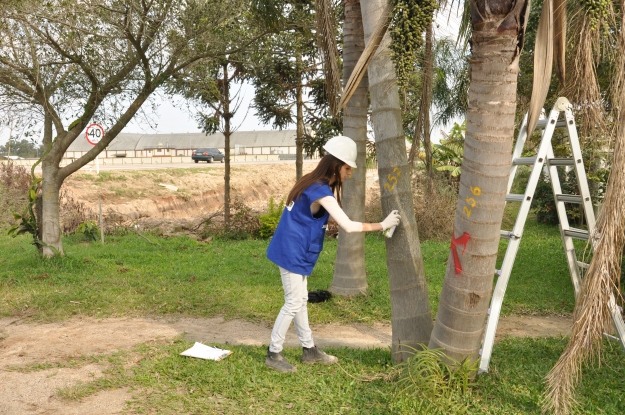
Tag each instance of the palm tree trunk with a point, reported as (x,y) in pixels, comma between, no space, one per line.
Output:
(469,277)
(410,308)
(299,139)
(349,269)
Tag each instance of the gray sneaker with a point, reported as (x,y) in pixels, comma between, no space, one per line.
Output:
(316,355)
(278,362)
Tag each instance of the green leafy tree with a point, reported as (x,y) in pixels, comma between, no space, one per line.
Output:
(289,83)
(447,155)
(58,62)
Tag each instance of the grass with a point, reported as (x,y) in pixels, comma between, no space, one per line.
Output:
(129,276)
(362,383)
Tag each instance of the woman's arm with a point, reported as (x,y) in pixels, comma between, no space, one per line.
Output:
(331,205)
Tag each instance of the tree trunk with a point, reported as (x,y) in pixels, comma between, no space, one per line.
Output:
(410,308)
(470,271)
(349,269)
(299,139)
(48,217)
(227,116)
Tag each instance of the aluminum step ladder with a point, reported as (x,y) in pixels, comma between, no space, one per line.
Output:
(545,160)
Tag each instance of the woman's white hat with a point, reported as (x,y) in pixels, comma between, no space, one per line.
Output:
(343,148)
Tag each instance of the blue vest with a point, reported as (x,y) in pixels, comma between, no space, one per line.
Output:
(298,240)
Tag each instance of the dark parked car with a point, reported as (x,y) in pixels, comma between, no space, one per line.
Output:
(208,155)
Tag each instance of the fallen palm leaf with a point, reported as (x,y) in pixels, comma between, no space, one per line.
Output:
(543,61)
(365,59)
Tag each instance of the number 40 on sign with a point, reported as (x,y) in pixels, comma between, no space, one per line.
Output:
(94,133)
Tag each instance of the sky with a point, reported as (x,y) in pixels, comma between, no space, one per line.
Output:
(174,117)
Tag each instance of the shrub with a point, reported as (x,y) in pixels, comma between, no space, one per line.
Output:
(14,184)
(435,206)
(269,221)
(72,212)
(244,223)
(544,204)
(89,230)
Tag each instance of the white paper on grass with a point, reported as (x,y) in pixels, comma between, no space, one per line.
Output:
(203,351)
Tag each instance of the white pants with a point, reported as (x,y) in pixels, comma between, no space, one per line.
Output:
(295,309)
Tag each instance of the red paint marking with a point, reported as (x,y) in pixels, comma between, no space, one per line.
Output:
(462,240)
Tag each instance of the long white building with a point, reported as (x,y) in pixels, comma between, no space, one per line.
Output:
(181,145)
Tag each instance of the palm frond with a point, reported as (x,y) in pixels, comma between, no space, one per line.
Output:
(543,63)
(326,39)
(465,29)
(559,39)
(366,57)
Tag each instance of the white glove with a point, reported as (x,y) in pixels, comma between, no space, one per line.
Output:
(391,220)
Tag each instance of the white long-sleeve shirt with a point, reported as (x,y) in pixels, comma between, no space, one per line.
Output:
(332,206)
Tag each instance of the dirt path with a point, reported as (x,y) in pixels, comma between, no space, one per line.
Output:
(143,196)
(36,392)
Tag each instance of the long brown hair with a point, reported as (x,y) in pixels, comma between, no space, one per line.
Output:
(329,167)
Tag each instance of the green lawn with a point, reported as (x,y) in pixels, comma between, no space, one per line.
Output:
(129,276)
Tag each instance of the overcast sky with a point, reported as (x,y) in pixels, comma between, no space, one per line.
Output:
(175,118)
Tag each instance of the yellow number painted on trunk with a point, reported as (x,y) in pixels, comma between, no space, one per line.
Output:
(392,178)
(476,191)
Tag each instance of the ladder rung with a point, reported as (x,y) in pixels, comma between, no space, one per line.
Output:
(543,123)
(570,199)
(613,338)
(524,161)
(583,265)
(561,162)
(507,235)
(576,233)
(515,198)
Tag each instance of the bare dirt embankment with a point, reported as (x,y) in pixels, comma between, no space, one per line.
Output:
(181,194)
(139,196)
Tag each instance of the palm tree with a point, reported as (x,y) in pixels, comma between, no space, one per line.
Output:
(496,42)
(349,270)
(410,309)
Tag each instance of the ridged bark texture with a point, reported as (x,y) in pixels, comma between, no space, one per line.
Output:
(466,293)
(349,269)
(410,308)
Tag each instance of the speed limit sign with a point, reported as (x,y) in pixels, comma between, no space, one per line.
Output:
(94,133)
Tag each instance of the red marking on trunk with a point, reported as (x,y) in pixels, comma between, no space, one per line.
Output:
(462,240)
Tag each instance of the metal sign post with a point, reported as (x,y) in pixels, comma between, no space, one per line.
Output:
(94,134)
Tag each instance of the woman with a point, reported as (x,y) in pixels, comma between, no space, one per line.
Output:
(298,240)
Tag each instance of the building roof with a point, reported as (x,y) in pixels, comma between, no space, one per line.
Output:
(130,141)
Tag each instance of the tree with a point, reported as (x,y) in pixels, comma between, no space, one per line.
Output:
(496,41)
(22,148)
(410,309)
(289,66)
(61,62)
(214,86)
(349,268)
